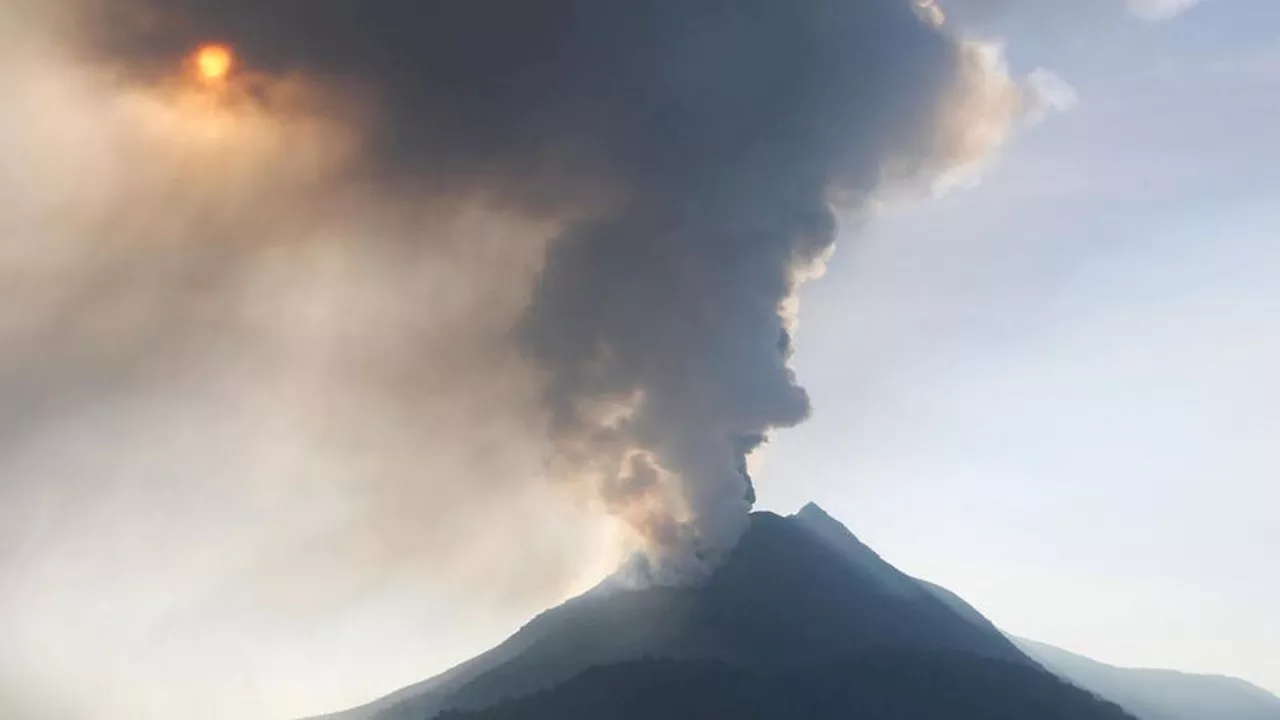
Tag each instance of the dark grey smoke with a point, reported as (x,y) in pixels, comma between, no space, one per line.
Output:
(692,150)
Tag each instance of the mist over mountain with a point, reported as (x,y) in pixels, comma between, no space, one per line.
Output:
(1152,694)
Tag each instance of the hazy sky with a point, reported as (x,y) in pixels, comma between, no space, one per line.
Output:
(1056,393)
(231,488)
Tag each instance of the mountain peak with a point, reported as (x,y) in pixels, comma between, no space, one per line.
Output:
(820,521)
(813,517)
(835,535)
(813,511)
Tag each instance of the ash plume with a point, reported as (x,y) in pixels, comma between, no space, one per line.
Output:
(287,362)
(695,154)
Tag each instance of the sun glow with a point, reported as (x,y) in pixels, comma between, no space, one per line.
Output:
(213,63)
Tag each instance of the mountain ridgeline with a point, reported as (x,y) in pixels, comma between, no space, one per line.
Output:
(802,621)
(1159,694)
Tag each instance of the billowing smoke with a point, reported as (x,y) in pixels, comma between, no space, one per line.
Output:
(399,309)
(694,154)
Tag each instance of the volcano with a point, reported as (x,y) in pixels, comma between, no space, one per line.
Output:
(802,619)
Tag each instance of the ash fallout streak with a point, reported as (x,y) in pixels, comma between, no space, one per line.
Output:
(695,152)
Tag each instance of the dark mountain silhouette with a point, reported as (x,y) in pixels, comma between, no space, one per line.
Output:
(1146,694)
(879,686)
(788,608)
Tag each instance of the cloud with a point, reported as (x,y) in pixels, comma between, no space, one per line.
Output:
(1160,9)
(983,12)
(1048,94)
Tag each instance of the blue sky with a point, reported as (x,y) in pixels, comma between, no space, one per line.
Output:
(1056,392)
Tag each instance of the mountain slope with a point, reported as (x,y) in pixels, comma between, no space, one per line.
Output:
(918,686)
(1159,694)
(784,599)
(1147,694)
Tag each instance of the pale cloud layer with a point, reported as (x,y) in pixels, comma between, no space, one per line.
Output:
(1056,11)
(1160,9)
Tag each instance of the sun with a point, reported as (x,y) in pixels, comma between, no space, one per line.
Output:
(214,62)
